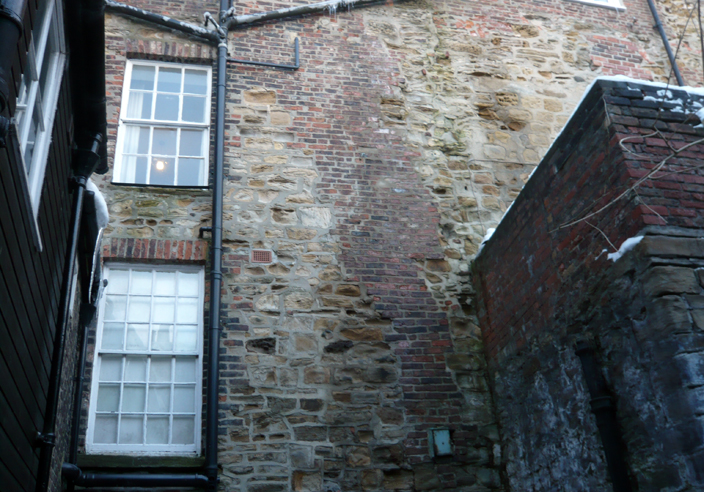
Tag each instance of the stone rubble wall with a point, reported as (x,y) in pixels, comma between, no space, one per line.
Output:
(372,174)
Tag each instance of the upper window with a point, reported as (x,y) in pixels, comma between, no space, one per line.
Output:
(614,4)
(39,93)
(163,134)
(146,387)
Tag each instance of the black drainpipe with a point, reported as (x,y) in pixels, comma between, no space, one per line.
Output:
(87,161)
(668,49)
(605,412)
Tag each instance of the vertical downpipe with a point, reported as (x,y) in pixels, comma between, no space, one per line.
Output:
(211,425)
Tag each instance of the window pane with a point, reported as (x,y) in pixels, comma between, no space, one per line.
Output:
(188,284)
(166,107)
(137,337)
(183,431)
(135,369)
(165,283)
(113,336)
(117,282)
(139,105)
(159,399)
(141,283)
(115,307)
(133,398)
(164,309)
(185,370)
(186,339)
(140,308)
(163,171)
(108,397)
(191,143)
(196,82)
(193,109)
(31,140)
(105,430)
(134,170)
(136,140)
(184,399)
(157,430)
(160,370)
(131,430)
(111,368)
(142,77)
(164,142)
(162,337)
(190,172)
(187,310)
(169,80)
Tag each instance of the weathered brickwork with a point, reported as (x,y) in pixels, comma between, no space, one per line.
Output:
(543,287)
(372,174)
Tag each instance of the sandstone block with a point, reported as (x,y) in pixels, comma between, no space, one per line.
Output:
(311,433)
(319,217)
(268,303)
(358,456)
(362,333)
(298,300)
(301,234)
(349,290)
(316,375)
(259,96)
(280,118)
(390,416)
(371,479)
(438,266)
(398,480)
(670,280)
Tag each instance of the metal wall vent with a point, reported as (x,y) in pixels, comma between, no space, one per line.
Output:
(261,256)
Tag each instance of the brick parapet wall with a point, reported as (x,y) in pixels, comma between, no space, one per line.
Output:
(542,287)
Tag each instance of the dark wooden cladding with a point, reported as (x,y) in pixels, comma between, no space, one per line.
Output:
(30,287)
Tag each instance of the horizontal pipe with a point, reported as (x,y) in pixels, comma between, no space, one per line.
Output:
(273,65)
(162,20)
(234,21)
(82,479)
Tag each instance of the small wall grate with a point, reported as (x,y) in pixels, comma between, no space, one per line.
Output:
(261,256)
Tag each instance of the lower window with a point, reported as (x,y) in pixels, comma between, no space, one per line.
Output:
(147,375)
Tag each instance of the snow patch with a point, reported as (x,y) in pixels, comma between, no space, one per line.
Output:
(627,245)
(487,236)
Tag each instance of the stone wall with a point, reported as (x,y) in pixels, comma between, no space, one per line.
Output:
(545,282)
(372,174)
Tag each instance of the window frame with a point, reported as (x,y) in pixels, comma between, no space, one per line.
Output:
(194,449)
(607,4)
(124,122)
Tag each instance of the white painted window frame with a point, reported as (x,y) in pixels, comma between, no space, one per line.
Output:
(31,102)
(609,4)
(124,121)
(145,449)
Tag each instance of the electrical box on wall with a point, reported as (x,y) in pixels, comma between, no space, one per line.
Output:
(440,443)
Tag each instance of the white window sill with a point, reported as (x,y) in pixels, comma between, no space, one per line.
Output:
(618,6)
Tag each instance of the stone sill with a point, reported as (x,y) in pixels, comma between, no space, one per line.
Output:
(619,8)
(135,461)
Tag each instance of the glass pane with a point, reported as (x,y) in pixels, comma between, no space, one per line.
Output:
(163,171)
(187,310)
(164,309)
(159,399)
(134,170)
(111,368)
(185,370)
(160,369)
(157,430)
(108,398)
(182,432)
(196,82)
(141,283)
(117,282)
(164,142)
(188,284)
(105,430)
(137,337)
(193,109)
(135,369)
(131,430)
(162,337)
(136,140)
(185,339)
(142,77)
(184,398)
(165,283)
(140,309)
(115,307)
(113,336)
(31,139)
(166,107)
(191,143)
(133,397)
(169,80)
(139,105)
(190,172)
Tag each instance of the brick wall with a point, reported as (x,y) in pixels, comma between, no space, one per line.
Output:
(543,286)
